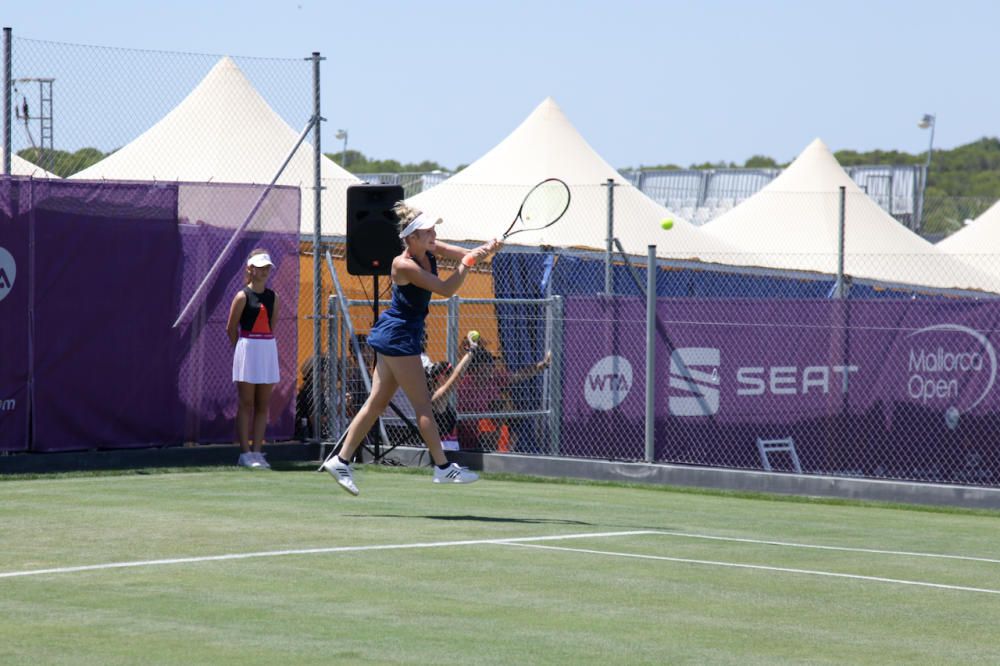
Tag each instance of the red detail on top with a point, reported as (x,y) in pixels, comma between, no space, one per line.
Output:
(263,322)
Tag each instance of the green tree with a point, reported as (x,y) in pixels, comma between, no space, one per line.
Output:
(62,163)
(853,158)
(760,162)
(721,164)
(658,167)
(358,162)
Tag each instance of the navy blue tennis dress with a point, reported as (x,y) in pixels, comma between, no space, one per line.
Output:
(400,329)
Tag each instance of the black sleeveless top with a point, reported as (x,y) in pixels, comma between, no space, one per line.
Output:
(255,322)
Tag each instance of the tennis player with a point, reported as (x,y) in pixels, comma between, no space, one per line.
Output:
(252,320)
(397,336)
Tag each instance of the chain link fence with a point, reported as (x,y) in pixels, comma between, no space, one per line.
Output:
(220,129)
(700,196)
(100,99)
(765,357)
(944,216)
(771,347)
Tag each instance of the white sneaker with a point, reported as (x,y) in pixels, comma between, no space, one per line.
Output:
(342,473)
(248,459)
(453,473)
(262,460)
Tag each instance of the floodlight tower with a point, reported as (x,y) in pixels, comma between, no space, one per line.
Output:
(927,122)
(45,149)
(342,135)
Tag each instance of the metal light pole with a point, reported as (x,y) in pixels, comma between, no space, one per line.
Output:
(342,135)
(928,121)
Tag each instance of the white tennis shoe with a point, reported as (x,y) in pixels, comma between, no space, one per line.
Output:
(342,473)
(248,459)
(263,464)
(454,473)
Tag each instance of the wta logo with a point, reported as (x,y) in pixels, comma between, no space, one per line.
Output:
(8,271)
(695,370)
(608,383)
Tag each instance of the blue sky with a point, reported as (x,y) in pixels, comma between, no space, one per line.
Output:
(645,82)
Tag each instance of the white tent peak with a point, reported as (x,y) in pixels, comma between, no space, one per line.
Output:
(548,137)
(793,224)
(224,131)
(981,236)
(975,245)
(225,62)
(814,170)
(481,201)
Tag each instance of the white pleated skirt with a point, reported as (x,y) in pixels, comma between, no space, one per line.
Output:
(255,361)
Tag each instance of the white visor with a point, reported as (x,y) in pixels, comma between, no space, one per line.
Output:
(422,221)
(260,260)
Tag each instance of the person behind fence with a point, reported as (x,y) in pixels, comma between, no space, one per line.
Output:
(397,335)
(487,384)
(305,403)
(353,396)
(356,391)
(442,380)
(253,317)
(493,434)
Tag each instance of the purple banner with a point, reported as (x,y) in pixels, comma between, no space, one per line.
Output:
(14,280)
(902,389)
(101,271)
(209,215)
(104,360)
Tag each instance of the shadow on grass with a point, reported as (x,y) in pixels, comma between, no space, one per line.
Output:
(480,519)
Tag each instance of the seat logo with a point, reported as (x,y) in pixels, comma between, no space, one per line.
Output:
(8,271)
(608,383)
(695,371)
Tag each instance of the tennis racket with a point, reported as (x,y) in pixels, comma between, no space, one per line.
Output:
(542,207)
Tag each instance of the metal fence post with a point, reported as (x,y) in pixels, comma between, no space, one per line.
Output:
(7,147)
(555,423)
(549,337)
(650,351)
(611,235)
(317,231)
(452,342)
(332,365)
(841,290)
(342,332)
(451,339)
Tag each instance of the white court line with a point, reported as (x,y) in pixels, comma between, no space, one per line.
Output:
(843,548)
(306,551)
(760,567)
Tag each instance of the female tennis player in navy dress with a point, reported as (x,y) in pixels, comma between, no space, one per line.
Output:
(397,335)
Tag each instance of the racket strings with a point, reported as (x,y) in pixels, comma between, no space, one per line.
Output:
(545,205)
(542,207)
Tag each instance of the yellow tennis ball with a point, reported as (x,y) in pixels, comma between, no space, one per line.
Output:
(667,224)
(474,336)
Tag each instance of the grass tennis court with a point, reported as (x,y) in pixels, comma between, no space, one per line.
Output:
(227,566)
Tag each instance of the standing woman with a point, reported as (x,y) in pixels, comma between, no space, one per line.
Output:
(397,337)
(253,316)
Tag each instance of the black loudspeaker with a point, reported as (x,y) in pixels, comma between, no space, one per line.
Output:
(372,228)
